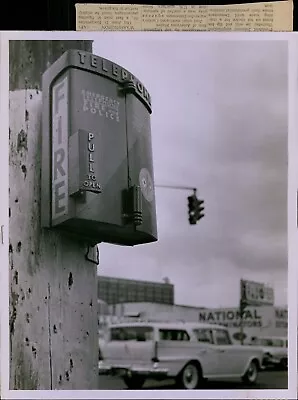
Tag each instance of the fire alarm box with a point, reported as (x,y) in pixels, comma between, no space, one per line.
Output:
(97,171)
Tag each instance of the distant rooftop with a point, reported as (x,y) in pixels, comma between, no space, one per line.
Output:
(165,281)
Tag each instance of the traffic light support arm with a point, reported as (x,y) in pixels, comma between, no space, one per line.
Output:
(177,187)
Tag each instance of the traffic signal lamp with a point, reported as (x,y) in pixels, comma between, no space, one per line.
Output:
(195,209)
(192,203)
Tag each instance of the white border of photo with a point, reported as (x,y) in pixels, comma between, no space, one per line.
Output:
(292,39)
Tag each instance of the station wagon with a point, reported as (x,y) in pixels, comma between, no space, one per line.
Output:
(186,352)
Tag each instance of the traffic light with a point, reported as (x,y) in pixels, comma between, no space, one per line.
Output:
(192,203)
(195,208)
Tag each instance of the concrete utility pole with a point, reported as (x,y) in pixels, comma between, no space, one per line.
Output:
(53,288)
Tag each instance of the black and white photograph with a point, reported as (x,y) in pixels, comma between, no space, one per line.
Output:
(148,213)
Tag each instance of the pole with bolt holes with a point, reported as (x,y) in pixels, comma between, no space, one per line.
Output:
(53,291)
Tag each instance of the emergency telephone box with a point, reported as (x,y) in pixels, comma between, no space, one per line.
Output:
(97,171)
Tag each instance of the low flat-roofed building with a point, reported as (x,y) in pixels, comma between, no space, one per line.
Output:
(117,290)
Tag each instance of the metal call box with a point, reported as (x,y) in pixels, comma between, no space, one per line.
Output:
(97,170)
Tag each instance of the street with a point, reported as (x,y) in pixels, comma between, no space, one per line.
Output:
(266,380)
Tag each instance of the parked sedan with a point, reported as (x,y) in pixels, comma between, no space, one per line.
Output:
(276,350)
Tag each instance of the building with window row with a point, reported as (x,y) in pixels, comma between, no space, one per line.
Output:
(118,290)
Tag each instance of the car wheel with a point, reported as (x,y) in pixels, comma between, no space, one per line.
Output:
(251,374)
(190,377)
(134,382)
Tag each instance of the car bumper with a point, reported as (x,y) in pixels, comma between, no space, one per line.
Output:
(153,371)
(272,362)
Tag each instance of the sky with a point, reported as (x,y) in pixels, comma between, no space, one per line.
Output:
(219,123)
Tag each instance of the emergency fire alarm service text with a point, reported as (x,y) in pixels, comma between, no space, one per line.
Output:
(93,152)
